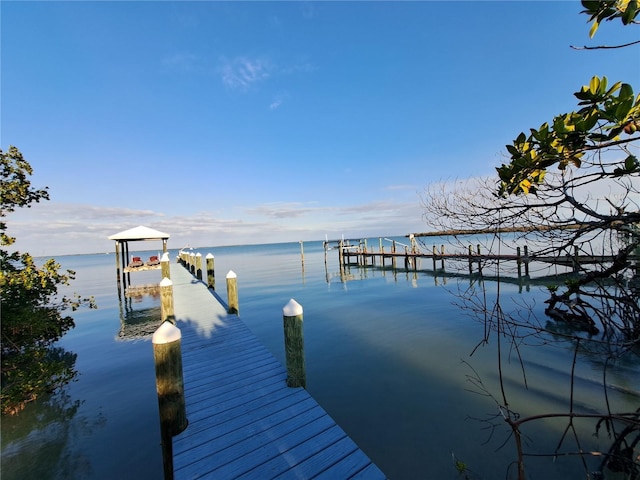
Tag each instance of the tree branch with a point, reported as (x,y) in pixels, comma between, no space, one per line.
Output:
(605,47)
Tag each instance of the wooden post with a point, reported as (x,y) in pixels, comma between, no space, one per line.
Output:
(302,252)
(211,273)
(126,258)
(164,265)
(232,292)
(199,266)
(166,301)
(470,260)
(123,261)
(442,261)
(364,253)
(326,246)
(519,261)
(118,262)
(292,315)
(170,389)
(192,263)
(526,260)
(433,257)
(393,258)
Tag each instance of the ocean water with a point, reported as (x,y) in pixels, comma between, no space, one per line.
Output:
(395,357)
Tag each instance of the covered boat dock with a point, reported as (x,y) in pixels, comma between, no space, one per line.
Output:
(124,264)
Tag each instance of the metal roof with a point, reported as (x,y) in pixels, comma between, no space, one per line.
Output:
(139,233)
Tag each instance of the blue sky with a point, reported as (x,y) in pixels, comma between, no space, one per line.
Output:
(249,122)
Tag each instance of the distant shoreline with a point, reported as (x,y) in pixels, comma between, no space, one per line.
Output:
(475,231)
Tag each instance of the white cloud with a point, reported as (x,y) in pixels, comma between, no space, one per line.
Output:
(277,102)
(51,228)
(242,72)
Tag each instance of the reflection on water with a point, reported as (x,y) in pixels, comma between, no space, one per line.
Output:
(388,355)
(45,431)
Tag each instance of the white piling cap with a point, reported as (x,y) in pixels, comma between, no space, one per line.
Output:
(165,257)
(166,282)
(192,254)
(166,333)
(198,254)
(292,309)
(231,274)
(209,255)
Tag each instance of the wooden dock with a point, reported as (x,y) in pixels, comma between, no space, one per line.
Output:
(244,422)
(361,255)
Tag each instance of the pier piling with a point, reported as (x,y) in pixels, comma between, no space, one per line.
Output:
(165,265)
(211,273)
(166,300)
(192,263)
(170,388)
(199,266)
(232,292)
(292,318)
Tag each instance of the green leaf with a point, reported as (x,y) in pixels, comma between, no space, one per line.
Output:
(593,85)
(623,109)
(631,163)
(613,89)
(625,91)
(594,28)
(590,121)
(602,87)
(513,151)
(630,12)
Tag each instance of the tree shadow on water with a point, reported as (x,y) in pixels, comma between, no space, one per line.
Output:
(42,440)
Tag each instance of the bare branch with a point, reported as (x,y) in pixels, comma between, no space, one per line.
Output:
(603,47)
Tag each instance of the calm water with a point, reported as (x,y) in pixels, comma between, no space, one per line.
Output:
(387,355)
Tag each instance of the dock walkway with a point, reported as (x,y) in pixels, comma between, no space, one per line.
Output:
(244,422)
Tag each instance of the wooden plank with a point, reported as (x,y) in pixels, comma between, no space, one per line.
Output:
(215,426)
(244,422)
(233,455)
(284,465)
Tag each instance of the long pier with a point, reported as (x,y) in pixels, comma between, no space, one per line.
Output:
(362,255)
(244,422)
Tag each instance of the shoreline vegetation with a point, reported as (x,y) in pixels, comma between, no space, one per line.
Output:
(475,231)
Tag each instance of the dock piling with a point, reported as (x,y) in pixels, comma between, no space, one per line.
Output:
(435,252)
(211,273)
(292,318)
(199,266)
(166,301)
(165,265)
(232,292)
(170,389)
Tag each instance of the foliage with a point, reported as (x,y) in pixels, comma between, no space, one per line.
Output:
(608,10)
(609,116)
(31,309)
(572,187)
